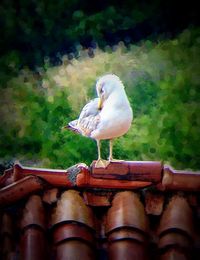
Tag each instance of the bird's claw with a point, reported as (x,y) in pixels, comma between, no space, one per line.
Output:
(100,163)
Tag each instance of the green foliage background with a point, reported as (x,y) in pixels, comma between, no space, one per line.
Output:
(162,82)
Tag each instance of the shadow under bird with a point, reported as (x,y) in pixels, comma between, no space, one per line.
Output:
(105,118)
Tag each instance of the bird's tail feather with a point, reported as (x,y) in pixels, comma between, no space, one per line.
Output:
(73,126)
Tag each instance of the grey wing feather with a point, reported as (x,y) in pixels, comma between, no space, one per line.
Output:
(90,109)
(88,119)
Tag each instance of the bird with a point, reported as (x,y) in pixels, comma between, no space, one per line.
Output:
(106,117)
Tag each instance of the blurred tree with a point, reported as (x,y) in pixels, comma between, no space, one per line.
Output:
(161,80)
(32,30)
(138,41)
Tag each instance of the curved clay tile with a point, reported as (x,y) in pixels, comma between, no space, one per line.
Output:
(6,178)
(176,229)
(6,224)
(6,235)
(173,238)
(180,180)
(55,177)
(127,210)
(174,254)
(33,213)
(177,215)
(126,249)
(73,231)
(33,241)
(127,233)
(20,189)
(74,250)
(33,245)
(149,171)
(73,228)
(71,207)
(127,227)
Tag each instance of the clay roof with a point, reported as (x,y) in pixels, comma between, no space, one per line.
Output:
(130,210)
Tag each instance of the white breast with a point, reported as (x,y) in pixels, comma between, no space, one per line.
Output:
(115,117)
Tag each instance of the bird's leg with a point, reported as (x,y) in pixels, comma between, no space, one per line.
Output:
(100,163)
(111,150)
(111,153)
(99,149)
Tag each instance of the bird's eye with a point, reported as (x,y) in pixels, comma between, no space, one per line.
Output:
(102,90)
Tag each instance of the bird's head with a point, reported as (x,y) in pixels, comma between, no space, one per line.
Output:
(105,86)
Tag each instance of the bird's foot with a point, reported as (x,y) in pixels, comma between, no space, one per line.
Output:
(100,163)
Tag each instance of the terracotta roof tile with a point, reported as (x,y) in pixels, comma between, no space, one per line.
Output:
(127,249)
(33,241)
(174,219)
(20,189)
(71,207)
(50,196)
(131,210)
(154,203)
(180,180)
(74,249)
(127,211)
(97,199)
(33,244)
(33,213)
(7,240)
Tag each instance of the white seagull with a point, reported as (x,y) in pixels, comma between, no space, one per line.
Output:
(106,117)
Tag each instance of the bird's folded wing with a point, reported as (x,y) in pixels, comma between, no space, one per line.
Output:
(88,120)
(90,109)
(88,124)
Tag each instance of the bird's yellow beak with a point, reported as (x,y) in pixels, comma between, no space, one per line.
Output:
(100,103)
